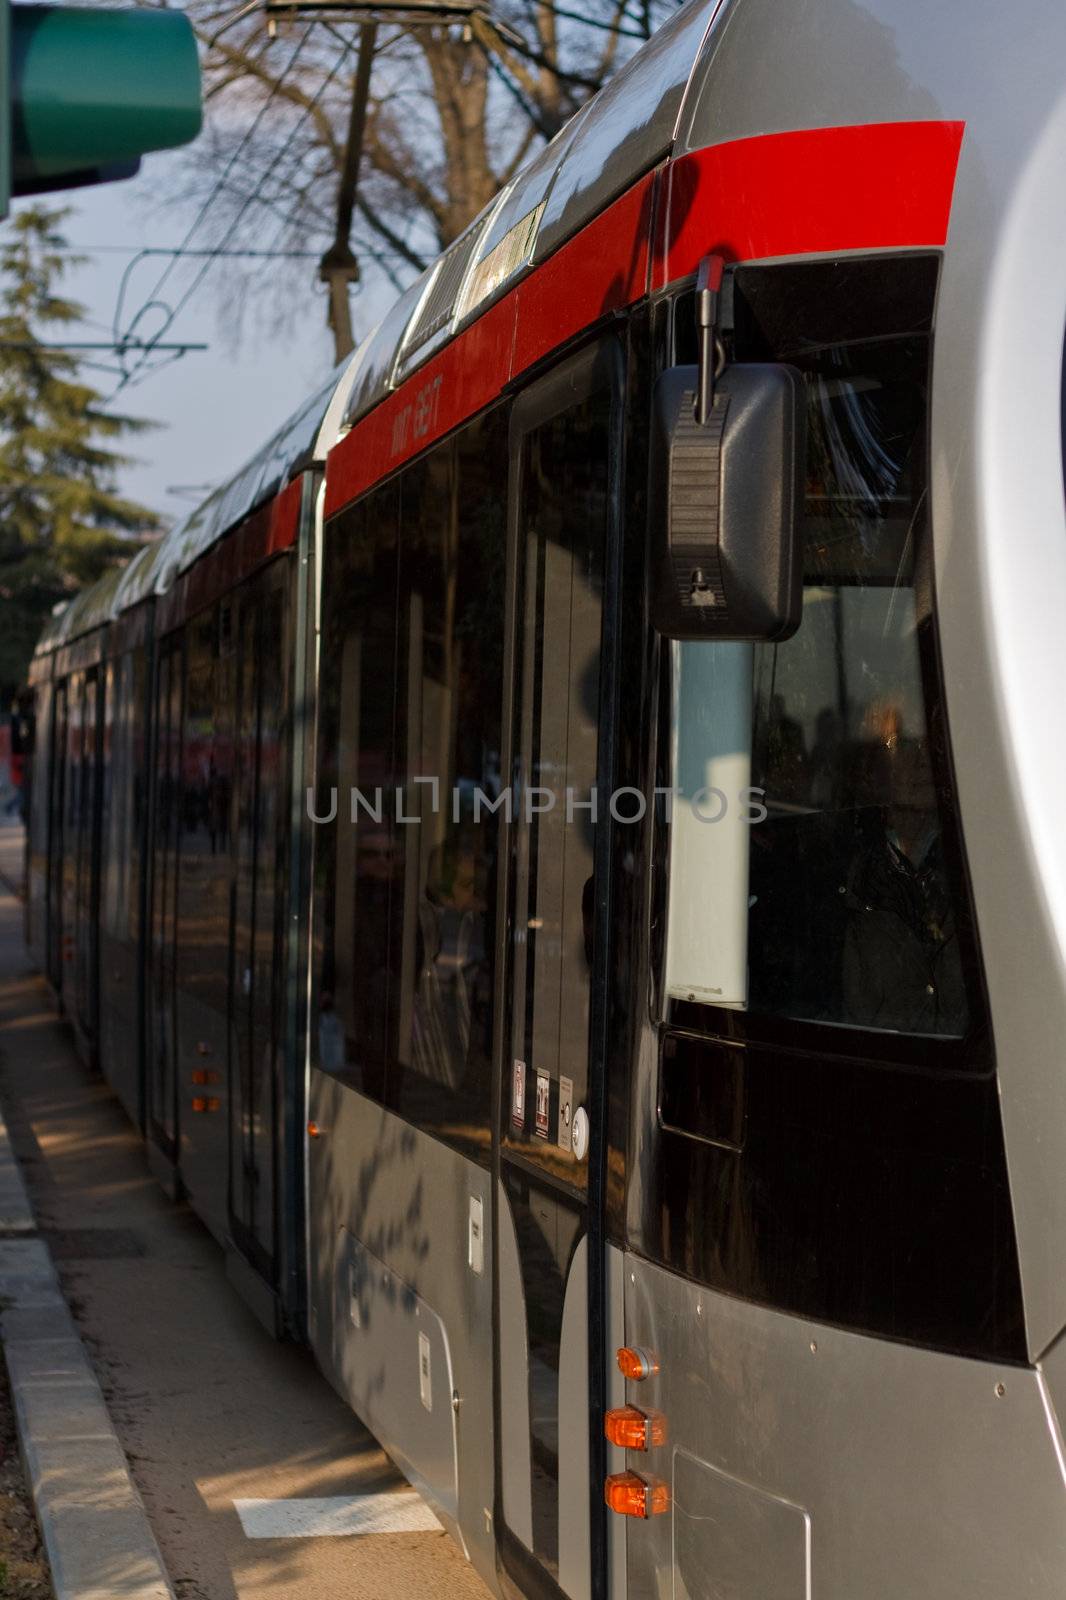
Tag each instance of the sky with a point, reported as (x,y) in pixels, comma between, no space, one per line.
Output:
(217,406)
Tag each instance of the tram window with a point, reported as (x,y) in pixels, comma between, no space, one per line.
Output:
(203,851)
(565,511)
(124,794)
(847,912)
(137,778)
(449,679)
(411,687)
(40,780)
(119,866)
(353,860)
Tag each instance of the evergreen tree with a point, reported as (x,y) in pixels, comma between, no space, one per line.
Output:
(61,521)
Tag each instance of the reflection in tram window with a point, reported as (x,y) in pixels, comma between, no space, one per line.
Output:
(848,913)
(203,852)
(563,530)
(124,794)
(411,688)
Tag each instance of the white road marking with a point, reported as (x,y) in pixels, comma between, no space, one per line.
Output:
(336,1516)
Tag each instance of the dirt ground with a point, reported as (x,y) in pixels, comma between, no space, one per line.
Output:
(23,1568)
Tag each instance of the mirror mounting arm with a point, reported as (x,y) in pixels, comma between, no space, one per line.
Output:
(708,288)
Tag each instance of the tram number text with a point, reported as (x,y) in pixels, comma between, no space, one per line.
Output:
(418,418)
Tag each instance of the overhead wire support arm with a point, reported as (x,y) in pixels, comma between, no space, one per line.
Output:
(170,313)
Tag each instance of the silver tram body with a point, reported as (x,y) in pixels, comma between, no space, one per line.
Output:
(829,1207)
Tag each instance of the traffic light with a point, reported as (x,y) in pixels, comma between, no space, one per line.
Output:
(86,91)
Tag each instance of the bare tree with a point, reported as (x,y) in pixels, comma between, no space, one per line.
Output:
(453,112)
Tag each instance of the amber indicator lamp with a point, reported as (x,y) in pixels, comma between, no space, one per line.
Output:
(635,1362)
(630,1495)
(631,1429)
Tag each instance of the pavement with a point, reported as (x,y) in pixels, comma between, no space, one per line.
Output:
(223,1429)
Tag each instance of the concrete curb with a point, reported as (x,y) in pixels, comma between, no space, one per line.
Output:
(93,1522)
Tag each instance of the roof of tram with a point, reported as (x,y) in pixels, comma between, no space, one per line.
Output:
(617,135)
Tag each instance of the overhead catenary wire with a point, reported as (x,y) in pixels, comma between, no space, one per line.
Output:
(248,134)
(174,250)
(170,313)
(490,26)
(210,254)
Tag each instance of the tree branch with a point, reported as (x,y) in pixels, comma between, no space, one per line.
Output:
(390,236)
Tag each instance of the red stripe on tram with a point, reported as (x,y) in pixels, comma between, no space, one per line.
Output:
(466,376)
(885,186)
(603,268)
(285,517)
(878,186)
(268,531)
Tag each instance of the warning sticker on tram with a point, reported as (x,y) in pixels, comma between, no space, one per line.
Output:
(544,1090)
(518,1094)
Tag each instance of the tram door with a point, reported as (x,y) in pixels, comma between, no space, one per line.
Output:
(562,466)
(258,942)
(161,1088)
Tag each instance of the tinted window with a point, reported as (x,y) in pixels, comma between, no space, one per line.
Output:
(412,688)
(845,908)
(259,944)
(355,865)
(38,776)
(204,805)
(562,538)
(853,918)
(124,795)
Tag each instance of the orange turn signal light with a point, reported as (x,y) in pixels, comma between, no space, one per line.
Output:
(633,1496)
(631,1429)
(635,1362)
(313,1130)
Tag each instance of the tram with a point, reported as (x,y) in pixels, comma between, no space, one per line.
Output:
(560,858)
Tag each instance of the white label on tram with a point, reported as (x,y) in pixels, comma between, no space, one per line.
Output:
(518,1095)
(566,1111)
(475,1251)
(544,1094)
(425,1373)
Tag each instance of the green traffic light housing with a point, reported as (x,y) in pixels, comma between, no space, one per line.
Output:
(92,90)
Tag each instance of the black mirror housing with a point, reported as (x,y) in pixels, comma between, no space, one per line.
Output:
(726,502)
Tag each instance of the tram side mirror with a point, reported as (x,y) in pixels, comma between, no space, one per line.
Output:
(726,499)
